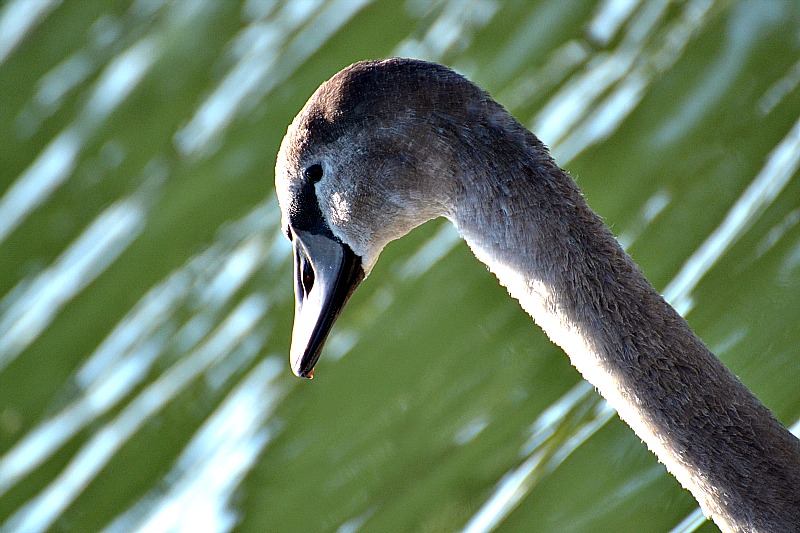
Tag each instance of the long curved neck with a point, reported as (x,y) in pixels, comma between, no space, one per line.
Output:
(527,221)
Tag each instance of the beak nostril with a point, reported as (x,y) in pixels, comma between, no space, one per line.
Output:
(308,277)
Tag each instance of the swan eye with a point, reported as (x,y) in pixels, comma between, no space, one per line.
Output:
(313,173)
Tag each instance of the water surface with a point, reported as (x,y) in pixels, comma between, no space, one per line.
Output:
(145,288)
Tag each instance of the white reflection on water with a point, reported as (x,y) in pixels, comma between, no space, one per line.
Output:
(748,24)
(18,18)
(782,163)
(562,114)
(213,464)
(558,65)
(41,511)
(609,18)
(777,232)
(780,89)
(264,61)
(56,162)
(49,436)
(354,524)
(40,179)
(33,304)
(583,413)
(650,210)
(119,364)
(470,430)
(119,78)
(451,31)
(693,520)
(67,75)
(430,253)
(592,105)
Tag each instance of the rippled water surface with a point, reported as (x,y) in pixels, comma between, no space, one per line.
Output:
(145,288)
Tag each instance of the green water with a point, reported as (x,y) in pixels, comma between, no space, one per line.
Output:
(145,287)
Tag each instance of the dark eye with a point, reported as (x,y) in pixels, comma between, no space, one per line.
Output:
(288,232)
(313,173)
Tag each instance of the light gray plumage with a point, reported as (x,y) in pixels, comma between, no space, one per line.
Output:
(387,145)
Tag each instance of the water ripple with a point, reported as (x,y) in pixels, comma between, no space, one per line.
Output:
(18,18)
(782,163)
(40,511)
(29,310)
(214,462)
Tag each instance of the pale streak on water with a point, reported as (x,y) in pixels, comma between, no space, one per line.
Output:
(610,16)
(18,18)
(780,89)
(56,162)
(434,250)
(650,210)
(564,111)
(57,83)
(582,115)
(781,165)
(452,29)
(215,461)
(268,52)
(542,454)
(33,304)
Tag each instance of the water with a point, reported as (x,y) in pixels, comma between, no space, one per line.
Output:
(145,288)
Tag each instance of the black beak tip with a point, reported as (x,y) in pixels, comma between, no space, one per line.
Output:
(305,374)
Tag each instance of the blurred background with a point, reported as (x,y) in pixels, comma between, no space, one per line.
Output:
(146,290)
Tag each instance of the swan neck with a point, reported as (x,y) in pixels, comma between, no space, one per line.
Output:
(525,218)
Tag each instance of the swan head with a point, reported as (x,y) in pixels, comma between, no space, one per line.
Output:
(366,160)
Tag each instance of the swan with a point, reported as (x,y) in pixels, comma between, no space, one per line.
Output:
(387,145)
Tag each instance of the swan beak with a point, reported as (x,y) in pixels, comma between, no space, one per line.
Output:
(326,272)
